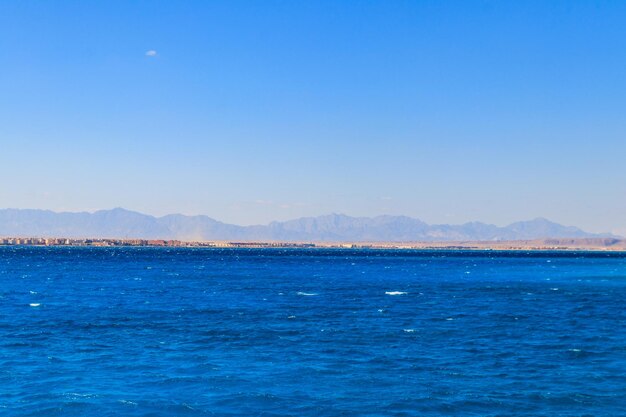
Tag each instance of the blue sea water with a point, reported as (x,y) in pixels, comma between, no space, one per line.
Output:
(243,332)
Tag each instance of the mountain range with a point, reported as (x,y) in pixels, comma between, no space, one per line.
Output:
(121,223)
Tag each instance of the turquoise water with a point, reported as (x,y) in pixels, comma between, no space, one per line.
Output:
(194,332)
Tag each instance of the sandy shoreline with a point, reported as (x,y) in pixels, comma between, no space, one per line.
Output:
(565,244)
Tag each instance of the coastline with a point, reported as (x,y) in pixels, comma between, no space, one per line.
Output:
(548,244)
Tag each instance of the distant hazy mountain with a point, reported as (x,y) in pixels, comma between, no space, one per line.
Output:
(120,223)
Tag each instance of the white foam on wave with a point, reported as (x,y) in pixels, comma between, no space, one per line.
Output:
(395,292)
(306,294)
(34,304)
(409,330)
(78,395)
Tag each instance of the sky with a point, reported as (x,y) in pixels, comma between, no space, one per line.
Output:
(253,111)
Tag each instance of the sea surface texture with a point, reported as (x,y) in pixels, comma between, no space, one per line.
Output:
(242,332)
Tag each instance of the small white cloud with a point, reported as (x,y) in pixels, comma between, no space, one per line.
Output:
(263,202)
(151,52)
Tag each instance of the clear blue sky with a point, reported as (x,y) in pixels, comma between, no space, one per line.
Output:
(255,111)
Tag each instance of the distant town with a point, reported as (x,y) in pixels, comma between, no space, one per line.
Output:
(37,241)
(599,244)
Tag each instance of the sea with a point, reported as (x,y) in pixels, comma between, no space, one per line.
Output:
(311,332)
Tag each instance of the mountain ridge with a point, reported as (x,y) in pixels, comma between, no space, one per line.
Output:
(122,223)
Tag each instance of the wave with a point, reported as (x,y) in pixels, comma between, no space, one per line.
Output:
(395,292)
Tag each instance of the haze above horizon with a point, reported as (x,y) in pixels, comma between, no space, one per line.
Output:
(250,112)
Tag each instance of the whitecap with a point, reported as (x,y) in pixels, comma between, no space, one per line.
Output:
(291,317)
(77,395)
(307,294)
(34,304)
(395,292)
(449,319)
(409,330)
